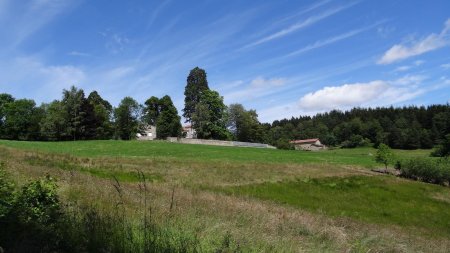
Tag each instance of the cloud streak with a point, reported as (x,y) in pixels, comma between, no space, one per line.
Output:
(300,25)
(326,42)
(431,42)
(36,15)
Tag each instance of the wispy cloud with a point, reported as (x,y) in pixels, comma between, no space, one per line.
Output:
(34,79)
(156,12)
(80,54)
(431,42)
(445,66)
(306,10)
(299,25)
(402,68)
(115,42)
(326,42)
(257,87)
(36,15)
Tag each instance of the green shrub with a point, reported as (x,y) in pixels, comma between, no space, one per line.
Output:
(436,171)
(384,155)
(6,193)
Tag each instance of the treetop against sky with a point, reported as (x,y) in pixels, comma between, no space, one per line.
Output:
(282,58)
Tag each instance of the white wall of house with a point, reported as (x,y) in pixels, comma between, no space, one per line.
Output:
(148,134)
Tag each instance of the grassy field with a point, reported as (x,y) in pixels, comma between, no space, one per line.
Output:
(250,199)
(156,149)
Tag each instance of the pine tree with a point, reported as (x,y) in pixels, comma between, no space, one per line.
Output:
(196,85)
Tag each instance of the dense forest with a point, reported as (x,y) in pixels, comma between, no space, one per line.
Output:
(77,117)
(409,127)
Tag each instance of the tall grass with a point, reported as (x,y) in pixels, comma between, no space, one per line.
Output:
(33,219)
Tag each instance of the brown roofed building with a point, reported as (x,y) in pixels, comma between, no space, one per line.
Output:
(308,144)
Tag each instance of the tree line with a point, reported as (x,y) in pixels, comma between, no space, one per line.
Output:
(77,117)
(408,127)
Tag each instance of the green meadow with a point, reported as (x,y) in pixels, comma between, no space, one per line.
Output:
(158,149)
(248,199)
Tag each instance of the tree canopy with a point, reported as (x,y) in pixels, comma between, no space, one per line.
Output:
(164,115)
(127,116)
(210,117)
(244,125)
(196,85)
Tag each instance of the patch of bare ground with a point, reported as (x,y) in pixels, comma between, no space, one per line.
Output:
(256,225)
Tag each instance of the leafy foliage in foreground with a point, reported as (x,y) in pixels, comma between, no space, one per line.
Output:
(33,219)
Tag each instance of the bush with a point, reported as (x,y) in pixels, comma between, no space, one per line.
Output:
(436,171)
(6,196)
(30,217)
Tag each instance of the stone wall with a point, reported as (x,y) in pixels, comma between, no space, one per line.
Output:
(219,143)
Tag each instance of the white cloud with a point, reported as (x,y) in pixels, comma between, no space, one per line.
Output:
(342,96)
(300,25)
(446,66)
(374,93)
(402,68)
(32,78)
(431,42)
(409,80)
(419,62)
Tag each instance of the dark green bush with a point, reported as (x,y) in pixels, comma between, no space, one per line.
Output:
(6,196)
(436,171)
(30,217)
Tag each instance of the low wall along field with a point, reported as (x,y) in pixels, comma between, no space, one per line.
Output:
(219,143)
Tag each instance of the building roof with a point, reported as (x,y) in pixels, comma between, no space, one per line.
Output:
(187,127)
(304,141)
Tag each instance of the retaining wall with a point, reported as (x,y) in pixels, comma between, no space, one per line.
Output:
(219,143)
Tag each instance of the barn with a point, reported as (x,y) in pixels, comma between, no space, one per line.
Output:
(308,144)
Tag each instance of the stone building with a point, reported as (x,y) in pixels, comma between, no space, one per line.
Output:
(189,132)
(308,144)
(147,134)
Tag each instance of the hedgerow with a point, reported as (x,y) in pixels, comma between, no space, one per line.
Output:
(430,170)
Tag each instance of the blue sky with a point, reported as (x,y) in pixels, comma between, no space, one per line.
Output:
(282,58)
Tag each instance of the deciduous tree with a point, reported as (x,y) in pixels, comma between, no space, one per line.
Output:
(127,116)
(384,155)
(210,117)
